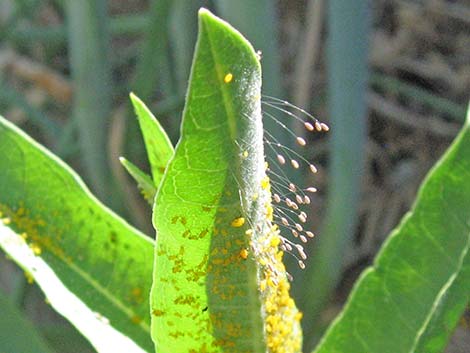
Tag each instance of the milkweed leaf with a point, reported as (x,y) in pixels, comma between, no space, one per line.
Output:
(410,300)
(94,268)
(219,282)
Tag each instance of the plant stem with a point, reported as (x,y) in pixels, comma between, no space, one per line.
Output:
(437,103)
(154,51)
(119,25)
(10,95)
(88,50)
(347,58)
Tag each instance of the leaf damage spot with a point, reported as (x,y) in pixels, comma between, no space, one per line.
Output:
(156,312)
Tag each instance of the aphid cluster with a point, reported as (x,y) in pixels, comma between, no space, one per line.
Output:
(290,202)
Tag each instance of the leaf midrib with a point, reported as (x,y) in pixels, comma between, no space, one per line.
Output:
(91,281)
(10,129)
(129,313)
(441,294)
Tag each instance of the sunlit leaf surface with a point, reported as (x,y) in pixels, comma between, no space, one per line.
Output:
(219,283)
(412,297)
(158,145)
(85,258)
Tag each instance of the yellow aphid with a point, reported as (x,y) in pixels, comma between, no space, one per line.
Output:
(29,277)
(265,183)
(244,254)
(228,78)
(269,211)
(245,154)
(238,222)
(275,241)
(36,249)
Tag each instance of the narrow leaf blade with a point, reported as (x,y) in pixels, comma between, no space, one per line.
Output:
(215,241)
(67,240)
(158,145)
(144,181)
(412,297)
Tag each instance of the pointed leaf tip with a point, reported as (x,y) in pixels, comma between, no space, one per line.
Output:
(203,12)
(157,143)
(207,273)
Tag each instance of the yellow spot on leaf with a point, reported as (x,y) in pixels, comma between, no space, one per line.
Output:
(29,277)
(156,312)
(36,249)
(228,78)
(136,319)
(238,222)
(244,254)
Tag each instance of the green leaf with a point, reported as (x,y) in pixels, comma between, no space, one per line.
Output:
(70,243)
(219,283)
(413,296)
(144,181)
(158,145)
(17,334)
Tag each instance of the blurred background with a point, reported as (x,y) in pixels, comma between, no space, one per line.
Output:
(390,77)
